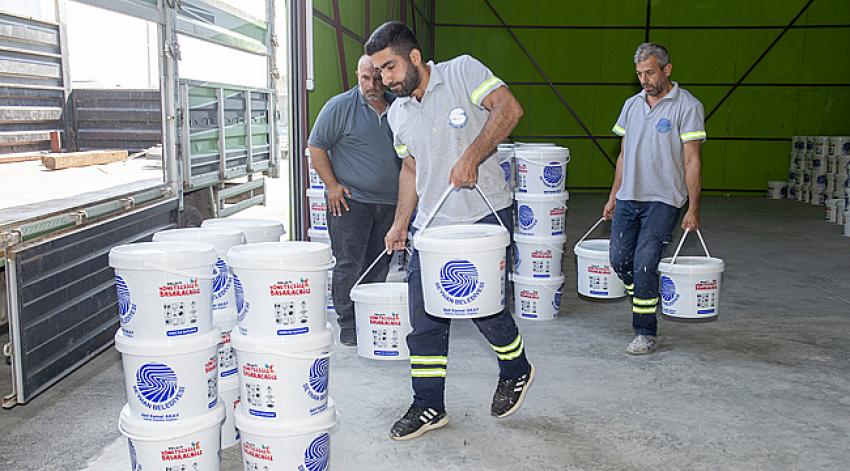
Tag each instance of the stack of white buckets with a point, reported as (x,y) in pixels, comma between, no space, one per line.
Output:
(818,174)
(538,180)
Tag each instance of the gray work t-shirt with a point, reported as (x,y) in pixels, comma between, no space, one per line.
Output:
(359,143)
(653,145)
(438,129)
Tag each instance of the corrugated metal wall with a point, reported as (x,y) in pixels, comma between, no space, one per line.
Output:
(32,95)
(116,119)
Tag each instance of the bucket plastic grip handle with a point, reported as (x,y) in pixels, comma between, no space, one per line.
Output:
(681,242)
(154,266)
(445,196)
(375,262)
(592,228)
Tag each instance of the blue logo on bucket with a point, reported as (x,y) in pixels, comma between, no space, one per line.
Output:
(517,258)
(525,216)
(459,279)
(318,454)
(156,386)
(319,375)
(221,279)
(506,167)
(241,304)
(552,174)
(126,308)
(556,303)
(668,290)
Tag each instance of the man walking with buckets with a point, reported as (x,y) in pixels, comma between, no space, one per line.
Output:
(447,122)
(658,170)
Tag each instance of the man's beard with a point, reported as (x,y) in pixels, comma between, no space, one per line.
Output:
(655,90)
(410,82)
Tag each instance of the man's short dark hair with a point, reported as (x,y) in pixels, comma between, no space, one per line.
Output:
(395,35)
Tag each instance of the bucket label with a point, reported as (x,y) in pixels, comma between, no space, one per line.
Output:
(290,288)
(178,453)
(221,283)
(156,387)
(459,283)
(126,308)
(669,296)
(242,305)
(316,386)
(553,174)
(178,289)
(385,353)
(506,168)
(317,455)
(556,301)
(260,452)
(179,332)
(263,372)
(298,331)
(525,216)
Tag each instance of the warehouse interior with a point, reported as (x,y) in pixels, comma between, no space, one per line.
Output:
(764,386)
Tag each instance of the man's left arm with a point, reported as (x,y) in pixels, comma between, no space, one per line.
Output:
(693,179)
(505,113)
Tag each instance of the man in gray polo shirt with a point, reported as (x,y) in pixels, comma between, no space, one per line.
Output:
(351,147)
(447,121)
(658,170)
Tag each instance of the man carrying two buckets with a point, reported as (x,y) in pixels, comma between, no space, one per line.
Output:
(447,120)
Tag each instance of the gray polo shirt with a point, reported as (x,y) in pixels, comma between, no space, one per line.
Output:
(438,129)
(360,145)
(653,145)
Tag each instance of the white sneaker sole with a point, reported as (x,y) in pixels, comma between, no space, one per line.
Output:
(519,402)
(428,427)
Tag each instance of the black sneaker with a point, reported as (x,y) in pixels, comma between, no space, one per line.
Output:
(510,393)
(416,422)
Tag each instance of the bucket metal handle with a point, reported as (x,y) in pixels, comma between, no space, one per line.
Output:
(296,356)
(445,196)
(374,262)
(544,164)
(155,266)
(681,242)
(553,291)
(592,228)
(327,267)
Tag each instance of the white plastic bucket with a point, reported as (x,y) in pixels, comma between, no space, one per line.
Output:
(537,299)
(189,445)
(817,197)
(222,238)
(839,145)
(777,190)
(806,194)
(541,215)
(315,180)
(170,381)
(538,257)
(831,206)
(284,380)
(798,143)
(164,288)
(596,278)
(810,143)
(505,154)
(298,446)
(383,321)
(821,145)
(463,266)
(228,396)
(792,192)
(690,286)
(318,209)
(541,170)
(281,287)
(256,230)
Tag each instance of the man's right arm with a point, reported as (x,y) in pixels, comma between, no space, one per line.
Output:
(608,210)
(396,238)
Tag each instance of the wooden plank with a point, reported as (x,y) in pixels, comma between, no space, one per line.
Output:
(11,159)
(82,159)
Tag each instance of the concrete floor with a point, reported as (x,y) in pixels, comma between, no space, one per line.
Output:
(764,387)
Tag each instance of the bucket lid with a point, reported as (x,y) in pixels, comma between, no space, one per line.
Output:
(380,293)
(542,153)
(537,197)
(146,431)
(528,280)
(534,144)
(296,255)
(692,265)
(462,238)
(166,347)
(222,238)
(505,146)
(558,240)
(593,248)
(146,255)
(323,421)
(254,229)
(315,193)
(293,344)
(318,234)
